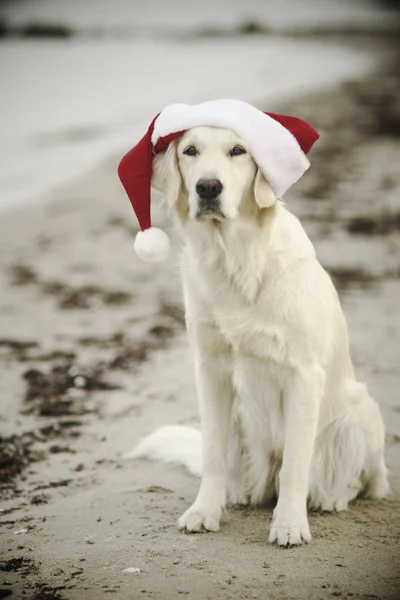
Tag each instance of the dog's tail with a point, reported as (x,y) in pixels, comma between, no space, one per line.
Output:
(172,444)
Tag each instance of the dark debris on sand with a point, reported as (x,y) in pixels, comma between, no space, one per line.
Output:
(22,274)
(382,225)
(62,391)
(18,348)
(67,296)
(130,353)
(347,278)
(21,564)
(25,351)
(85,296)
(46,593)
(135,353)
(16,454)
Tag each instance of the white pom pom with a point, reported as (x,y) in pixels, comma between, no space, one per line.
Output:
(152,245)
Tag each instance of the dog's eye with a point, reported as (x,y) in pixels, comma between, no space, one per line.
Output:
(190,151)
(237,151)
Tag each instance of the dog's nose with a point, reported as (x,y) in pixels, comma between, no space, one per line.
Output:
(209,189)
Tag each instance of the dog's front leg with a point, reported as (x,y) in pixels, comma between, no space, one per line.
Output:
(301,401)
(215,394)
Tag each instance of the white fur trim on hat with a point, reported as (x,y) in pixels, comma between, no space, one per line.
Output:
(273,147)
(152,245)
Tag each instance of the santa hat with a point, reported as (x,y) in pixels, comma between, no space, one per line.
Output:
(277,143)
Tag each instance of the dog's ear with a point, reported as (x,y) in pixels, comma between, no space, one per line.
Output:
(166,176)
(263,194)
(159,172)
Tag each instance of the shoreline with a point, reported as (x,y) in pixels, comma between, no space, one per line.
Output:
(45,150)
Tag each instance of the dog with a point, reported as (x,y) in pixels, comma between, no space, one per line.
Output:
(282,414)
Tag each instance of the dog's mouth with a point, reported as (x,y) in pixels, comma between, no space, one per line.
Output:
(211,210)
(208,215)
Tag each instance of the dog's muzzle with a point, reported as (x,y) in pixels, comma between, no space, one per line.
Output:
(208,191)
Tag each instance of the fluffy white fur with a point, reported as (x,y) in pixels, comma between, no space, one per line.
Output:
(272,146)
(172,444)
(282,414)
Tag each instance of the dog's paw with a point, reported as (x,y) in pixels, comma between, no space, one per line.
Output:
(289,528)
(198,518)
(335,505)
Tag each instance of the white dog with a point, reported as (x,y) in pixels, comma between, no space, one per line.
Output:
(282,414)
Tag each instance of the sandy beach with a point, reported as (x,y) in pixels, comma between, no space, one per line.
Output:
(94,355)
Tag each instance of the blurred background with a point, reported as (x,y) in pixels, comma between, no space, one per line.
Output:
(81,79)
(93,349)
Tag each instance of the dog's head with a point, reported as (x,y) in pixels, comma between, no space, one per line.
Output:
(208,174)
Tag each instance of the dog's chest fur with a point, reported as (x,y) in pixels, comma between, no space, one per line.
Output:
(231,287)
(238,282)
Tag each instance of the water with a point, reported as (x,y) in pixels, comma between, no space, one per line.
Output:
(66,104)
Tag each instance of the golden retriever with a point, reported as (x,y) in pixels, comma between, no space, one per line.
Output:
(282,414)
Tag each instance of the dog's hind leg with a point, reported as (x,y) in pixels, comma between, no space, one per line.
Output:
(376,472)
(348,456)
(377,485)
(337,465)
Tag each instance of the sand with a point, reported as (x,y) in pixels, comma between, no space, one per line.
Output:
(79,312)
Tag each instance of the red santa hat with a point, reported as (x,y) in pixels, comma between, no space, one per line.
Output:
(277,143)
